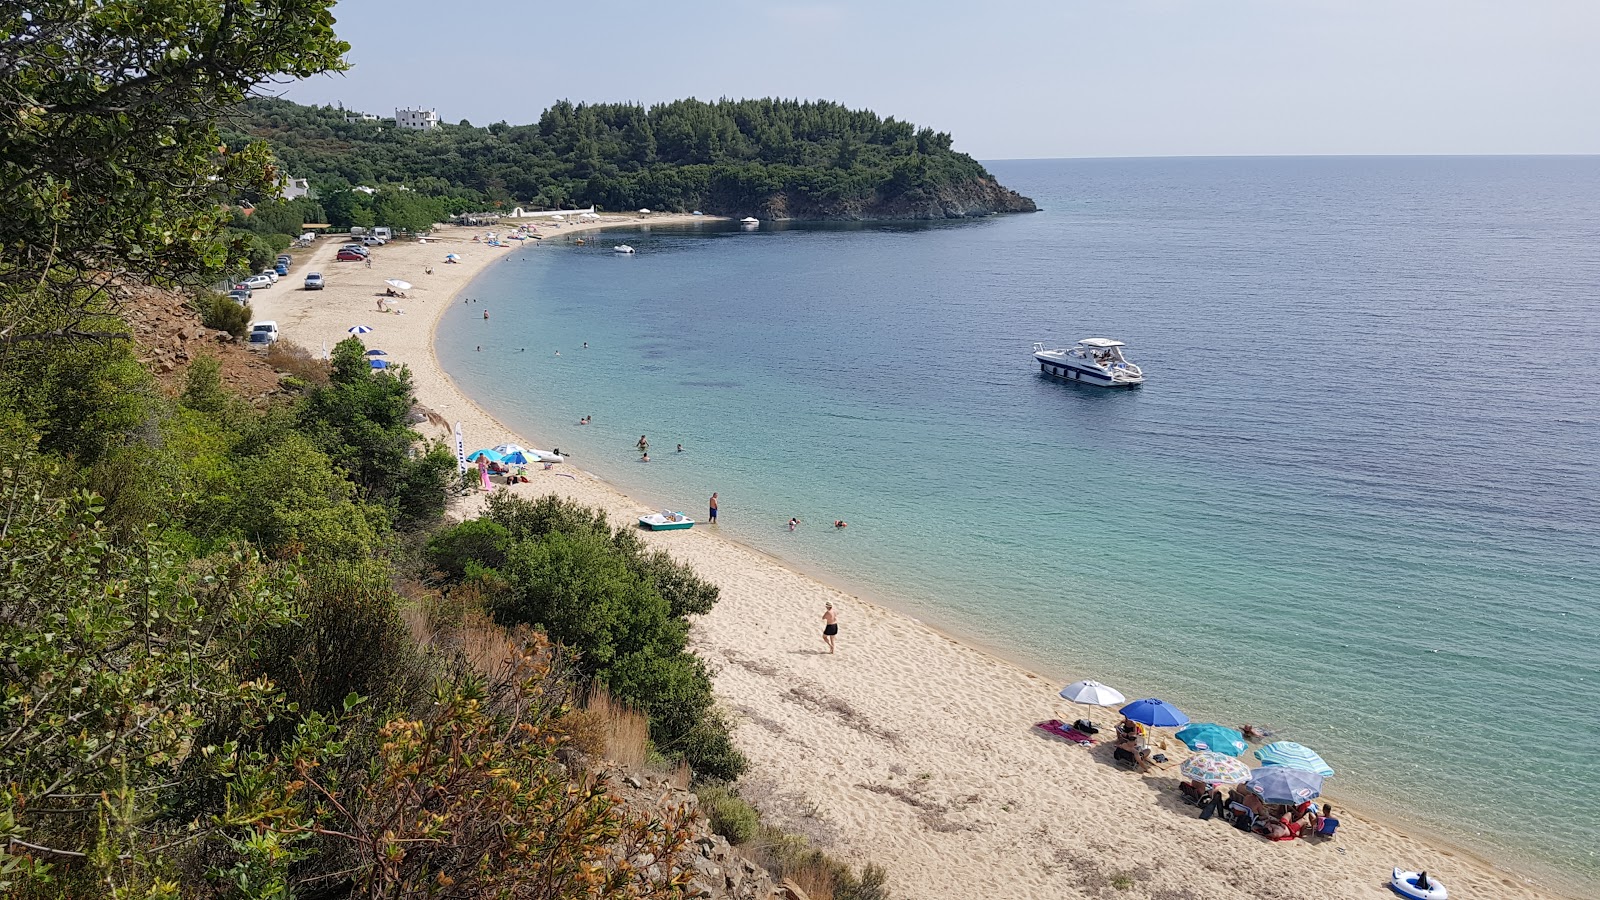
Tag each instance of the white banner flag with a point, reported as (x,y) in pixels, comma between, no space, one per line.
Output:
(461,450)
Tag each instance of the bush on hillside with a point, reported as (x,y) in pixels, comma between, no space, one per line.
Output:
(222,313)
(731,815)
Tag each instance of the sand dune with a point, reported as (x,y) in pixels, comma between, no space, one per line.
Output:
(907,748)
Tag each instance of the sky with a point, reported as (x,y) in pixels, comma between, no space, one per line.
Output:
(1020,79)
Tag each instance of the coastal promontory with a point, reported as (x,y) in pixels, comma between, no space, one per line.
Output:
(773,159)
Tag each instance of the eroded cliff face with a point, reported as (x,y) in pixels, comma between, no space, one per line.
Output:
(972,199)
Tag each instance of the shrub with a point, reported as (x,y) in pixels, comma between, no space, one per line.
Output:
(222,313)
(293,359)
(478,542)
(731,815)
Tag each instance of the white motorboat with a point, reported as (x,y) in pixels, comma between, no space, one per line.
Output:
(749,220)
(1092,360)
(624,249)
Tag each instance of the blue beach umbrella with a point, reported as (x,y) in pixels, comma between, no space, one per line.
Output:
(377,353)
(1155,713)
(490,454)
(380,364)
(359,329)
(1294,756)
(1215,738)
(517,458)
(1281,784)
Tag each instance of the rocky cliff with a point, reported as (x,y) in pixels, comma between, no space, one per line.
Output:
(970,199)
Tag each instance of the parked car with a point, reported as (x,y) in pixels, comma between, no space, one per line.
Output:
(281,268)
(285,258)
(262,335)
(374,241)
(348,255)
(359,248)
(240,297)
(314,281)
(254,283)
(269,274)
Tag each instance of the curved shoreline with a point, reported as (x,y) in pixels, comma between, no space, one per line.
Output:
(842,747)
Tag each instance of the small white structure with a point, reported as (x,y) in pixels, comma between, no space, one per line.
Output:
(369,191)
(295,188)
(644,212)
(353,117)
(416,119)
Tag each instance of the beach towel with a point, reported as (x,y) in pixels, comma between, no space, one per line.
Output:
(1062,730)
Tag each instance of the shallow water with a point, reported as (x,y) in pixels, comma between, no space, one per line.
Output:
(1357,499)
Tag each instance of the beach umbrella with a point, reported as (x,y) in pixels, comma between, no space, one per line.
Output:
(490,454)
(1215,768)
(359,329)
(398,284)
(507,449)
(380,364)
(1092,693)
(516,459)
(1281,784)
(1155,713)
(376,352)
(1294,756)
(452,256)
(1214,738)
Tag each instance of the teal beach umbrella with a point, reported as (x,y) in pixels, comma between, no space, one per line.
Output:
(1294,756)
(1215,738)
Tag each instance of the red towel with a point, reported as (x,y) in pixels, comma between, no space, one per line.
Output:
(1062,730)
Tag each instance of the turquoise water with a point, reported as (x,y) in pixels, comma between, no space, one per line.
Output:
(1356,501)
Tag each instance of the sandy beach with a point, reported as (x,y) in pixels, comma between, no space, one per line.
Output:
(907,748)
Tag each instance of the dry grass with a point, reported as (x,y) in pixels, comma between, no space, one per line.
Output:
(487,647)
(623,731)
(287,356)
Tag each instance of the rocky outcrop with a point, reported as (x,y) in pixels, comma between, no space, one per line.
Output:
(971,199)
(720,871)
(169,336)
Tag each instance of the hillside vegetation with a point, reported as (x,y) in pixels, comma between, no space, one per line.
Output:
(782,158)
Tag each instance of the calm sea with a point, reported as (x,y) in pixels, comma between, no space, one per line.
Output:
(1358,499)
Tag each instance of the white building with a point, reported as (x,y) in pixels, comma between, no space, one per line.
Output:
(295,188)
(351,118)
(416,119)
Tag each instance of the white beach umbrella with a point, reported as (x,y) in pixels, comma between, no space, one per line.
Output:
(644,212)
(398,284)
(508,449)
(1092,693)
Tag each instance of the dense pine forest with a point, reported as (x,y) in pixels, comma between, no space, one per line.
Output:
(781,158)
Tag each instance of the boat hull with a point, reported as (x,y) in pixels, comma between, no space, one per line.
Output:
(658,523)
(1066,371)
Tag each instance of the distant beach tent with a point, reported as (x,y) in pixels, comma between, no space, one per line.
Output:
(398,284)
(359,329)
(1294,756)
(1155,713)
(589,216)
(1092,693)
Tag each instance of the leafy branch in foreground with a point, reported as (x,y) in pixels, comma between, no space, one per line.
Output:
(110,164)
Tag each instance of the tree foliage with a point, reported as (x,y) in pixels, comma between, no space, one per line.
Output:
(109,156)
(731,156)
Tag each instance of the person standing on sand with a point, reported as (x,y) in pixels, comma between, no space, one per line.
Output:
(830,626)
(713,507)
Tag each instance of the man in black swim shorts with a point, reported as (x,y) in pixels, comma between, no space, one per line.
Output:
(831,627)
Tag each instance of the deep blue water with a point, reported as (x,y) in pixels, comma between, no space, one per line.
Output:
(1359,498)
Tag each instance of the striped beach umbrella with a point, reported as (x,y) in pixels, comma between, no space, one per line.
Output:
(1215,738)
(359,329)
(1294,756)
(1215,768)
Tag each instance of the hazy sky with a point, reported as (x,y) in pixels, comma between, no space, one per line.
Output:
(1031,78)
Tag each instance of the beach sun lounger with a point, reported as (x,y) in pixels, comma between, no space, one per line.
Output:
(1062,730)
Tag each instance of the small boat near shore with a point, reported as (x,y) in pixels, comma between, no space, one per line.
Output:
(624,249)
(1417,885)
(666,520)
(1092,360)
